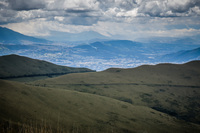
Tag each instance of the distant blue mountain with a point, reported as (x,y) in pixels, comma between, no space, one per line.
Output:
(10,36)
(182,56)
(74,37)
(100,54)
(111,49)
(137,50)
(172,40)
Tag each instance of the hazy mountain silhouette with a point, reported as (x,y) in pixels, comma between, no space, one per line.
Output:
(182,56)
(10,36)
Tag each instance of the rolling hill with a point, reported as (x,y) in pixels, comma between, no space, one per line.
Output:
(159,98)
(169,88)
(43,109)
(13,66)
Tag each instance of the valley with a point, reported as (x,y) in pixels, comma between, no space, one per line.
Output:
(99,54)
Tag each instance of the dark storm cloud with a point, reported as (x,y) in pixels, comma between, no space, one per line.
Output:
(81,11)
(26,4)
(185,7)
(2,6)
(7,16)
(168,8)
(123,4)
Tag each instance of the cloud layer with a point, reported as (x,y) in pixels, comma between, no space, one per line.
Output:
(94,12)
(25,4)
(87,10)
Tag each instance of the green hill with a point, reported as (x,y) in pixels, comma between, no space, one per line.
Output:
(13,66)
(169,88)
(161,98)
(42,109)
(172,74)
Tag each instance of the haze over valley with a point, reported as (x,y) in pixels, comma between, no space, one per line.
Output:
(99,54)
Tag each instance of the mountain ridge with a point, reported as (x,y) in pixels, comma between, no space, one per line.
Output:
(182,56)
(19,66)
(13,37)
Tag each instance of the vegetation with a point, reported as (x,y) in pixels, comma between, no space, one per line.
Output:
(115,100)
(14,66)
(145,85)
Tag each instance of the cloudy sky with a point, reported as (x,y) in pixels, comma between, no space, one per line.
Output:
(128,19)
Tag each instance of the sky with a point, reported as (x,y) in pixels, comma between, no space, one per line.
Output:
(125,19)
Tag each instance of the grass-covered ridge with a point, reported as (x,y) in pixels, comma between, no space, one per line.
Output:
(13,66)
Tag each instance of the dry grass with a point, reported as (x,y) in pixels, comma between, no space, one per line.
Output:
(111,101)
(173,89)
(81,112)
(43,128)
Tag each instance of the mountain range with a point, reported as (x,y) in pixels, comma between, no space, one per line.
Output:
(98,54)
(110,49)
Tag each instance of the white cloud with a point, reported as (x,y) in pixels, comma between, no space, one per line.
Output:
(59,18)
(130,18)
(70,4)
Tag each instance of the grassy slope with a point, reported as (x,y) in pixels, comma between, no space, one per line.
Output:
(82,112)
(172,89)
(19,66)
(186,74)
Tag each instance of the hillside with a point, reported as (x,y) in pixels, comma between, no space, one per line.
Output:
(169,88)
(170,74)
(60,110)
(150,98)
(12,66)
